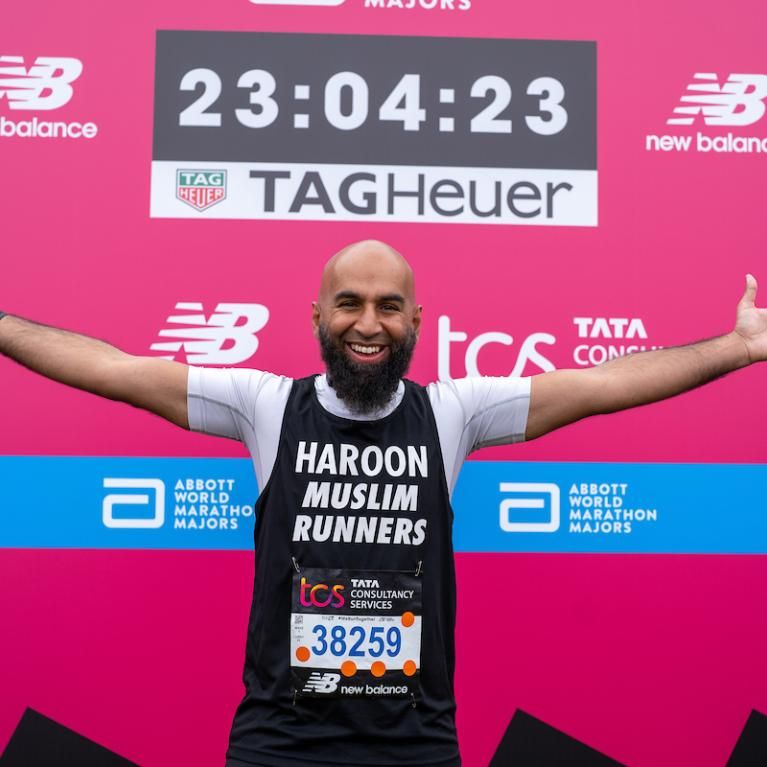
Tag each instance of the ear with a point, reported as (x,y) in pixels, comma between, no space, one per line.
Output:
(417,319)
(316,319)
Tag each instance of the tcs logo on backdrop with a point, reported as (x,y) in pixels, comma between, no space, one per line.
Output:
(599,339)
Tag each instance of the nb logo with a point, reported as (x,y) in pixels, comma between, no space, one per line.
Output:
(225,338)
(739,101)
(321,683)
(45,85)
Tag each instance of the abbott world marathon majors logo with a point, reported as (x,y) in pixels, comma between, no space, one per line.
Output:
(43,86)
(226,337)
(580,508)
(712,104)
(335,127)
(196,504)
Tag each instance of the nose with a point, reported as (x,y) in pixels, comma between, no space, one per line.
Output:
(368,324)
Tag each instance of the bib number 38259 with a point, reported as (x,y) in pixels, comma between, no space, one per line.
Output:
(355,633)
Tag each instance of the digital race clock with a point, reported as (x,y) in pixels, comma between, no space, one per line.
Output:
(263,125)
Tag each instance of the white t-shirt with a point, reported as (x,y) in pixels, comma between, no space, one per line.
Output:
(248,405)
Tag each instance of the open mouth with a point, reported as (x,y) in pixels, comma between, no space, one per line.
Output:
(367,352)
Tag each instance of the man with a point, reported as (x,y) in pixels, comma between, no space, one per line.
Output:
(350,652)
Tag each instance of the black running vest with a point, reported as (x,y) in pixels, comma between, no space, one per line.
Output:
(350,645)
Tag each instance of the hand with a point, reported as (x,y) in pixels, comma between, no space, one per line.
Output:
(751,323)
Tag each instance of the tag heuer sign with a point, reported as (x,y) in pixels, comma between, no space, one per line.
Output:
(201,188)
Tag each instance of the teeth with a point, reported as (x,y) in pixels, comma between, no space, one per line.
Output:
(365,349)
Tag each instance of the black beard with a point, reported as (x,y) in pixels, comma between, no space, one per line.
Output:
(365,387)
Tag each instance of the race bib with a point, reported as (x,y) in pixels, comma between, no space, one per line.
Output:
(355,633)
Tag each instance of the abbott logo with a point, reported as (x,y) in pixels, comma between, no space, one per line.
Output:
(527,496)
(227,337)
(739,101)
(45,85)
(136,498)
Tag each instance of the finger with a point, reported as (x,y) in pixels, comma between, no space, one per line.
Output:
(749,295)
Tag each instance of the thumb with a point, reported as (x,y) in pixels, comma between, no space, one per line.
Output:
(749,295)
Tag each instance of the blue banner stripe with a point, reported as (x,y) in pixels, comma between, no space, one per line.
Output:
(207,503)
(613,508)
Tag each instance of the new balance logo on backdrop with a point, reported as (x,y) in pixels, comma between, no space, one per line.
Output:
(45,86)
(737,101)
(226,337)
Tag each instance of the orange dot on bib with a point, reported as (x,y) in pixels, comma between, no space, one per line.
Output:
(303,654)
(408,619)
(348,668)
(378,668)
(409,667)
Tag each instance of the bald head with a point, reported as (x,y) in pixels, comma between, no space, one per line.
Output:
(367,291)
(367,323)
(369,262)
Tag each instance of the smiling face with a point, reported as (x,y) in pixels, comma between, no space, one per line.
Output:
(367,322)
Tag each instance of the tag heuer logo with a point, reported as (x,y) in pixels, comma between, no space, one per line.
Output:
(201,188)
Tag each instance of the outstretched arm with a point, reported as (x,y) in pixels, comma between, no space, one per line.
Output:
(159,386)
(564,396)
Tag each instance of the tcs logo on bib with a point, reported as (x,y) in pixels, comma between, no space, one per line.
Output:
(321,595)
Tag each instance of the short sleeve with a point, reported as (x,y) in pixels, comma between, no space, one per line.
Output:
(241,404)
(473,413)
(497,410)
(222,401)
